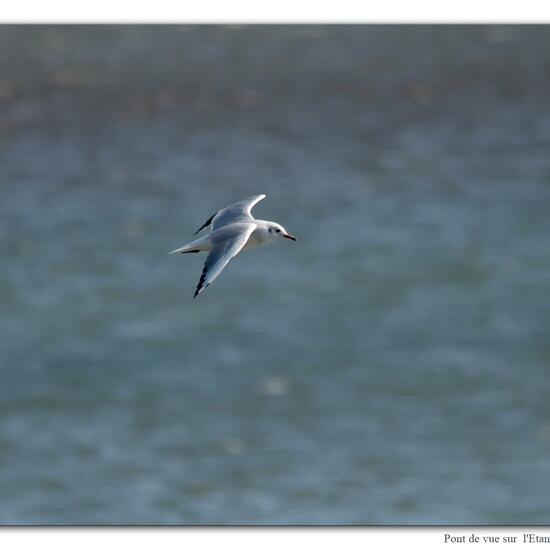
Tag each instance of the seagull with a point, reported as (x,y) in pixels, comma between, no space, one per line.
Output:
(232,229)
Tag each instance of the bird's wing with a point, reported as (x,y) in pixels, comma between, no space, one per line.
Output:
(206,223)
(227,242)
(236,213)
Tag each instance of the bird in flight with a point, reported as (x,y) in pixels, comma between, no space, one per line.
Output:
(232,229)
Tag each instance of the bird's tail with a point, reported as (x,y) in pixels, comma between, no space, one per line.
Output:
(194,246)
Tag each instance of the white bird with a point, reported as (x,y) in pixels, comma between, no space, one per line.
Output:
(233,229)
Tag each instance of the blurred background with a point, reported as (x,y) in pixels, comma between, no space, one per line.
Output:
(391,367)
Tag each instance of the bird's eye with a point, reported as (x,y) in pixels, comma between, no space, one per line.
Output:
(278,230)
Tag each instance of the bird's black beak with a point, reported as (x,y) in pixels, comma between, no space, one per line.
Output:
(289,237)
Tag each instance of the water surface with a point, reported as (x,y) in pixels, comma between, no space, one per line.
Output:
(391,367)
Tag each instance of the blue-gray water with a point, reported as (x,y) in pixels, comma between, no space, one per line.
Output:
(391,367)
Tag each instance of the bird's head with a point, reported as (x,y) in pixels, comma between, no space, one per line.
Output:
(275,230)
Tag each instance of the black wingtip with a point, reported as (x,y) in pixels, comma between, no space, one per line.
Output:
(205,224)
(201,285)
(199,290)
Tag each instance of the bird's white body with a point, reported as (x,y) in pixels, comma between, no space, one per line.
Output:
(259,236)
(233,229)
